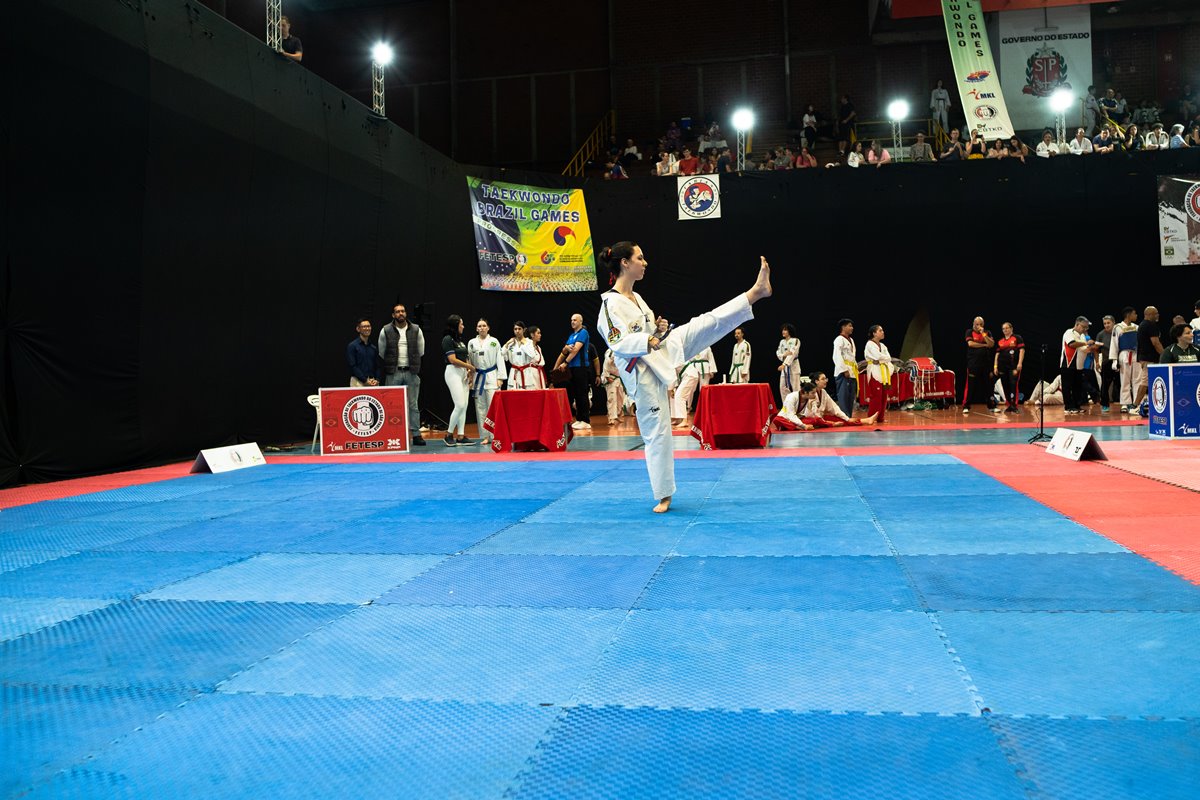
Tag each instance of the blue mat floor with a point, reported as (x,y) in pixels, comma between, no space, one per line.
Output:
(796,627)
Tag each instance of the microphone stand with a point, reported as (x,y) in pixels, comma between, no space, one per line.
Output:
(1041,435)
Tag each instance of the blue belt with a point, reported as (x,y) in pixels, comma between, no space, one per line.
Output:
(481,380)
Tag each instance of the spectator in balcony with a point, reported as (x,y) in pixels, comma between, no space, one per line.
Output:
(877,155)
(954,148)
(976,147)
(1146,114)
(1177,141)
(856,155)
(1017,149)
(1108,104)
(689,164)
(1081,145)
(1047,148)
(806,159)
(920,152)
(289,46)
(674,137)
(809,126)
(997,150)
(666,166)
(1103,143)
(614,149)
(1133,141)
(1187,102)
(1122,110)
(614,171)
(631,153)
(939,105)
(725,162)
(787,161)
(710,163)
(1193,137)
(847,125)
(1091,111)
(1157,139)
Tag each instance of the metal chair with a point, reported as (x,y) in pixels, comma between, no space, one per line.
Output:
(314,400)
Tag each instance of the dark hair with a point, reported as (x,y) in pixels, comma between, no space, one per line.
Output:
(519,324)
(790,328)
(532,329)
(815,375)
(843,322)
(740,328)
(1127,310)
(484,320)
(452,323)
(1177,331)
(871,330)
(1196,306)
(361,320)
(611,256)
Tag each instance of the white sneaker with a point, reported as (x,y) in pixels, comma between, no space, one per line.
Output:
(587,425)
(576,425)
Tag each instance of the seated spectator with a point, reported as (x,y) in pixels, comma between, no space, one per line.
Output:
(1193,138)
(614,149)
(724,162)
(631,153)
(1157,138)
(1122,111)
(856,155)
(954,148)
(809,126)
(1182,350)
(710,164)
(1145,114)
(976,148)
(666,165)
(1108,104)
(997,150)
(704,143)
(1133,142)
(877,155)
(1177,140)
(920,152)
(674,137)
(689,164)
(1047,148)
(806,159)
(1017,149)
(1081,145)
(1187,102)
(787,161)
(615,171)
(1103,143)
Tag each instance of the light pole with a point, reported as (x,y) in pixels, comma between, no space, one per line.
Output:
(1060,101)
(897,112)
(743,121)
(274,11)
(381,56)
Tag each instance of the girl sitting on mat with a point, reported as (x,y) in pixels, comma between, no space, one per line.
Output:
(821,410)
(789,417)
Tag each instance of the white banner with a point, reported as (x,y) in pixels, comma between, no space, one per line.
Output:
(699,196)
(1041,52)
(1179,219)
(975,70)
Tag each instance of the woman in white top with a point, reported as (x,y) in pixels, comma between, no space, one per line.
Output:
(739,371)
(484,354)
(648,362)
(821,410)
(856,156)
(788,352)
(524,360)
(879,372)
(789,417)
(809,124)
(614,391)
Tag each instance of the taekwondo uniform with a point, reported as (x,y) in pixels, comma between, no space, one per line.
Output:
(614,391)
(939,105)
(484,355)
(879,377)
(845,372)
(822,412)
(627,326)
(788,418)
(789,353)
(695,373)
(1124,352)
(739,372)
(525,365)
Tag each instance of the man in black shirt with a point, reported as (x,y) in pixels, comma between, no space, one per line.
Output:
(289,46)
(979,366)
(1149,349)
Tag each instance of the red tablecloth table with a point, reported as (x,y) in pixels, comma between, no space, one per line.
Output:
(901,390)
(734,415)
(534,419)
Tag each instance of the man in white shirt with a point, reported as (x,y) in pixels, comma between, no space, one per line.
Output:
(845,366)
(1157,139)
(1091,110)
(1046,147)
(1074,356)
(1080,145)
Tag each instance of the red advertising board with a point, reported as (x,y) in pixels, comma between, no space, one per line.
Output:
(364,420)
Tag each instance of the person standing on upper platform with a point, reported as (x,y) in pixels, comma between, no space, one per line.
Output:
(289,46)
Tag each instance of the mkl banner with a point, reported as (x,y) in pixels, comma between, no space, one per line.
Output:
(699,196)
(1179,219)
(974,69)
(1041,52)
(530,239)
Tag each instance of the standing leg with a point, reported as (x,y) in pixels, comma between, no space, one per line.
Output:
(654,423)
(579,389)
(458,394)
(1127,383)
(847,388)
(683,395)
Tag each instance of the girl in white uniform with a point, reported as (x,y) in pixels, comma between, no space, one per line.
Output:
(789,417)
(458,375)
(788,353)
(484,354)
(647,363)
(879,372)
(613,389)
(524,360)
(739,371)
(694,374)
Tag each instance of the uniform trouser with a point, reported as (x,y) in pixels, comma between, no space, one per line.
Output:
(653,408)
(1110,385)
(1129,381)
(1008,381)
(847,390)
(1140,371)
(939,113)
(684,393)
(412,381)
(579,392)
(483,401)
(978,388)
(1089,123)
(789,381)
(614,393)
(456,381)
(1072,388)
(739,374)
(876,398)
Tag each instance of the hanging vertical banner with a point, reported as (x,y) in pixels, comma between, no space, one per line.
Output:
(1179,219)
(974,69)
(699,196)
(530,239)
(1040,53)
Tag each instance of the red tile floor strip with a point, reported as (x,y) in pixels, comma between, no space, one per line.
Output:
(59,490)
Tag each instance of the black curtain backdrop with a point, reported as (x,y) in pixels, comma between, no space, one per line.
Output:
(192,224)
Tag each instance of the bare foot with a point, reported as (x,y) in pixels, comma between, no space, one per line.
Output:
(871,419)
(662,506)
(762,286)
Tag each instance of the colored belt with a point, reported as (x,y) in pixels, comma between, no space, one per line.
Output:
(481,380)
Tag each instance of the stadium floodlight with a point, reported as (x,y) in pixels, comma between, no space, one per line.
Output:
(381,56)
(743,121)
(1060,102)
(897,110)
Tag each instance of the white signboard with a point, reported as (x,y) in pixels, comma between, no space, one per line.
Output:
(1075,445)
(699,196)
(1040,52)
(227,459)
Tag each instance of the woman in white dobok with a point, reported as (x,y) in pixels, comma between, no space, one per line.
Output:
(649,361)
(524,360)
(484,354)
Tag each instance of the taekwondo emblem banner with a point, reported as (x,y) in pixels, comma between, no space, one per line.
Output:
(974,69)
(531,239)
(1041,52)
(699,196)
(1179,219)
(365,420)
